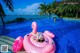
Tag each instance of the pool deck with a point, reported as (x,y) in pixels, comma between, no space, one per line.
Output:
(5,40)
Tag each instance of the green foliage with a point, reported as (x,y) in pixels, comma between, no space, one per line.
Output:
(8,4)
(43,9)
(71,0)
(69,10)
(64,8)
(16,20)
(47,9)
(21,19)
(1,11)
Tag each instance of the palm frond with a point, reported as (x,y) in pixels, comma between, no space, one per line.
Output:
(2,13)
(9,4)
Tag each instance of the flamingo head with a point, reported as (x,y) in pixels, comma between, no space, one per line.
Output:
(34,27)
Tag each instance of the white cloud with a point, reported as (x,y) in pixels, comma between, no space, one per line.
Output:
(28,10)
(33,7)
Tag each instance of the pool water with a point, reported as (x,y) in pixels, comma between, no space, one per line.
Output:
(67,33)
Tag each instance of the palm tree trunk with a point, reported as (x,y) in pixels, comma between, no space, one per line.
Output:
(77,15)
(49,16)
(3,22)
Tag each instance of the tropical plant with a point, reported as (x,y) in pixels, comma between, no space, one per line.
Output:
(54,7)
(42,7)
(69,9)
(71,0)
(48,9)
(45,9)
(8,3)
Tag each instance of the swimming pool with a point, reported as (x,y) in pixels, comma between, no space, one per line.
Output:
(67,33)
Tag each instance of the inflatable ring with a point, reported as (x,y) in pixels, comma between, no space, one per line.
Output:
(18,44)
(35,42)
(31,46)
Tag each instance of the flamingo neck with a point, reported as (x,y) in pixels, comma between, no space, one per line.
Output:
(34,31)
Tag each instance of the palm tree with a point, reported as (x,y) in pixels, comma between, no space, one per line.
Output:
(77,9)
(48,9)
(71,0)
(60,9)
(42,7)
(63,9)
(67,8)
(8,3)
(51,8)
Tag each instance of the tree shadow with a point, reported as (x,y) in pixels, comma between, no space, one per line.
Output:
(57,44)
(70,48)
(4,31)
(61,32)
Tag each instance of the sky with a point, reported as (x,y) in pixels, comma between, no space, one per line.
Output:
(23,7)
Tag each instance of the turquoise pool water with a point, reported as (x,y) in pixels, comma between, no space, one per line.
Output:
(67,32)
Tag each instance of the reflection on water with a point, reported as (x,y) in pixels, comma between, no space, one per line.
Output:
(70,48)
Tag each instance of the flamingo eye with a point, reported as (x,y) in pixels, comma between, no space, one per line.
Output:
(52,43)
(46,41)
(27,35)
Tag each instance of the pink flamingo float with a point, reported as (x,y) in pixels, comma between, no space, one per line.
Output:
(35,42)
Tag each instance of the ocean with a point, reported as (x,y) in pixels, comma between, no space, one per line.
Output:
(12,17)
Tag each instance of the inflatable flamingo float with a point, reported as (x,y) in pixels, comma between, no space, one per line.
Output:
(35,42)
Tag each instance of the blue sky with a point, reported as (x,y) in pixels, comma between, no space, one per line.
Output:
(23,7)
